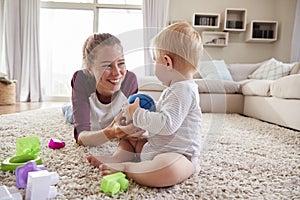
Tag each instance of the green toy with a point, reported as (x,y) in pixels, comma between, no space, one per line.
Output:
(113,183)
(27,149)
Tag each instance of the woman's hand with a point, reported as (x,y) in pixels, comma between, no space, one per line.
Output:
(116,130)
(112,131)
(132,131)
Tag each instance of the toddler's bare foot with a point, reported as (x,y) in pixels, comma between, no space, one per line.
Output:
(98,160)
(110,168)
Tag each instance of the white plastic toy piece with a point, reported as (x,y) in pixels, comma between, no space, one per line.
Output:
(40,185)
(9,193)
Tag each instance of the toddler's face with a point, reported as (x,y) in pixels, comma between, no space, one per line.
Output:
(161,72)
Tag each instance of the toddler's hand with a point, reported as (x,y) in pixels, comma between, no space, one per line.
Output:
(126,117)
(128,110)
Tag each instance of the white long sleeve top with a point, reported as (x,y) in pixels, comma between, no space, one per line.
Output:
(176,124)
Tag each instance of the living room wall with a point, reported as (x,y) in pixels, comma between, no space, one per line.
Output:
(238,50)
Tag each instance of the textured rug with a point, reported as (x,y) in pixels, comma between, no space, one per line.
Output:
(242,158)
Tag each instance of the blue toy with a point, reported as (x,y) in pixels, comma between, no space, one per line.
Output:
(146,101)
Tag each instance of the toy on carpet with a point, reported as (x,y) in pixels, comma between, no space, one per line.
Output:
(22,172)
(56,144)
(11,193)
(40,185)
(146,101)
(27,148)
(113,183)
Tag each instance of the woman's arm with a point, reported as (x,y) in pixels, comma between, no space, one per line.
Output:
(82,87)
(92,138)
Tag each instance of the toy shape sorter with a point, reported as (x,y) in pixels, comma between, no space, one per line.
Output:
(27,148)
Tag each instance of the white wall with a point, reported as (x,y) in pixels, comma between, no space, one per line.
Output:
(239,51)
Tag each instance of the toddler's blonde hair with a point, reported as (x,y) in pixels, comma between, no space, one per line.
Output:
(181,42)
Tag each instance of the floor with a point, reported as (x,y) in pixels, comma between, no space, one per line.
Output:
(25,106)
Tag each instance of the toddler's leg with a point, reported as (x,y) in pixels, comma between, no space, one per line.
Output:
(164,170)
(124,153)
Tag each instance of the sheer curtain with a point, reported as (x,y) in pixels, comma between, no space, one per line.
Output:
(155,17)
(295,49)
(21,30)
(2,69)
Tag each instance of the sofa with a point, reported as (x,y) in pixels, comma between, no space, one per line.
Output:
(268,91)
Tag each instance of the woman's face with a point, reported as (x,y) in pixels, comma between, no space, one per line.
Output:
(109,69)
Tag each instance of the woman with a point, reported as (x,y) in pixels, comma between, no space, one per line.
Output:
(99,90)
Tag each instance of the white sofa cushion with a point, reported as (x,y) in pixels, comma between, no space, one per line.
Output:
(217,86)
(150,83)
(286,87)
(271,70)
(242,71)
(256,87)
(214,70)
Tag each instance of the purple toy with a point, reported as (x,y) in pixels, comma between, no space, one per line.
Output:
(56,144)
(22,173)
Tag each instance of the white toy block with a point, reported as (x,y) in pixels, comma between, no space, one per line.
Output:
(9,193)
(4,193)
(39,185)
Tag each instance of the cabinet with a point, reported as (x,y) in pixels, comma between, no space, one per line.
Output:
(214,38)
(235,19)
(262,31)
(206,20)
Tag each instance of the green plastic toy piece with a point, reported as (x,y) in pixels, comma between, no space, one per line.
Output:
(113,183)
(30,145)
(27,149)
(11,164)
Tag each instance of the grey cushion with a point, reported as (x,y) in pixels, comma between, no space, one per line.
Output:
(217,86)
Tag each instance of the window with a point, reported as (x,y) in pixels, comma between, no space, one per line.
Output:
(128,29)
(132,2)
(65,25)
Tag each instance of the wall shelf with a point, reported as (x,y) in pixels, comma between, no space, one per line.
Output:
(206,20)
(215,39)
(262,31)
(235,19)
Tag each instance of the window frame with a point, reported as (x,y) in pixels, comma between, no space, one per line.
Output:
(88,6)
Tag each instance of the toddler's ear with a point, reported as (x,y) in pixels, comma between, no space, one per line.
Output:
(168,62)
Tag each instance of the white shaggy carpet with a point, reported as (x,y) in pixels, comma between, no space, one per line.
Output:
(242,158)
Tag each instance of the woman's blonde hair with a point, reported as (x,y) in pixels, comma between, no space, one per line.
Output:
(90,47)
(181,42)
(95,41)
